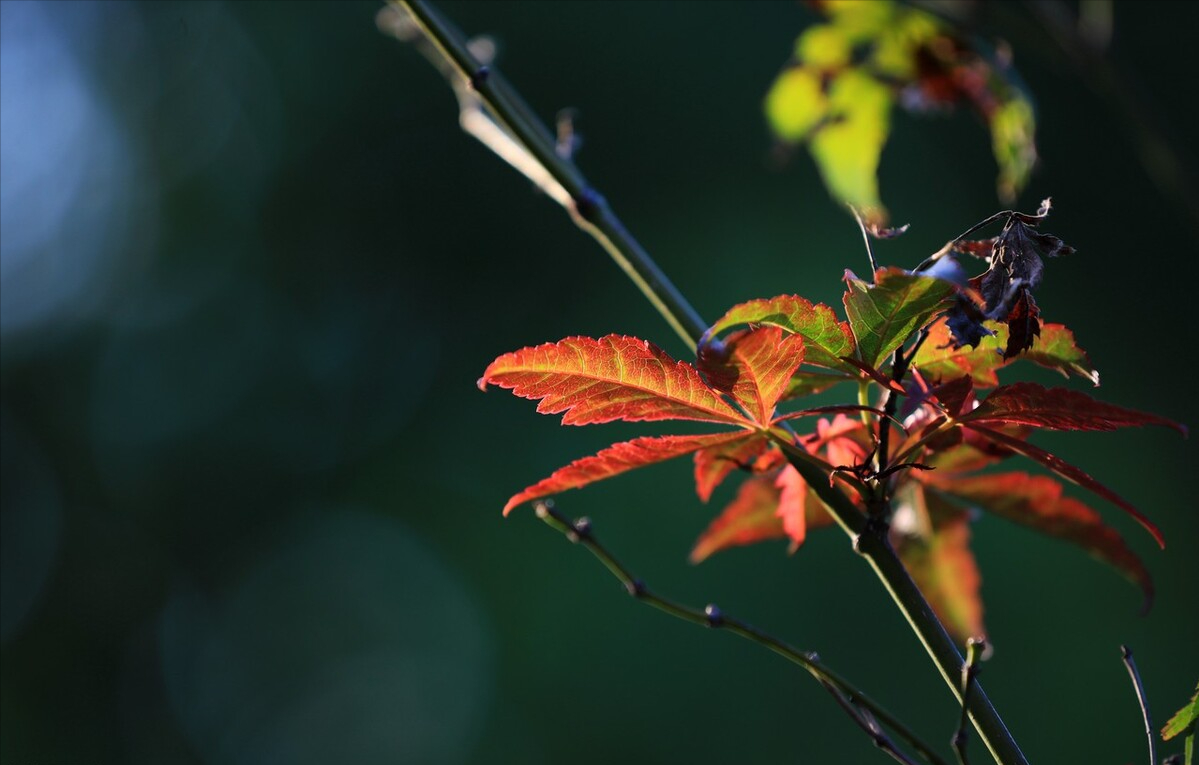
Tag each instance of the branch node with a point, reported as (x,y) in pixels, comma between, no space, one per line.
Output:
(635,587)
(479,76)
(588,204)
(715,615)
(582,528)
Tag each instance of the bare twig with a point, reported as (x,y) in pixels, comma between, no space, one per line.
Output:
(1131,666)
(866,722)
(861,708)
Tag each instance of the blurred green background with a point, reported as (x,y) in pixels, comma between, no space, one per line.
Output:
(252,270)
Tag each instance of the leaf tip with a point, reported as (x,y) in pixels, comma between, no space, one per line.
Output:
(1146,599)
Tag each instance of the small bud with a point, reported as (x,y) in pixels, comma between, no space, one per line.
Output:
(479,77)
(583,527)
(714,614)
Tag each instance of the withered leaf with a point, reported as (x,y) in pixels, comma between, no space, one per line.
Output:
(1007,287)
(1016,270)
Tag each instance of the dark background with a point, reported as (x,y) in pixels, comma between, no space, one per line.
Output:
(252,270)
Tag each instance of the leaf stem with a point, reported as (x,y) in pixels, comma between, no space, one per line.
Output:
(853,701)
(1131,666)
(866,240)
(588,209)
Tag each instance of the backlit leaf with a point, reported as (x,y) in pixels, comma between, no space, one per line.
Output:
(750,517)
(621,458)
(849,74)
(753,516)
(1058,409)
(714,463)
(1013,129)
(884,314)
(796,103)
(755,368)
(1054,349)
(793,493)
(612,378)
(826,339)
(973,451)
(1184,719)
(848,147)
(1037,502)
(944,569)
(1070,473)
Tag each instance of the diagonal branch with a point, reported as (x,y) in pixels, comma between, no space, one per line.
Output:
(529,146)
(860,707)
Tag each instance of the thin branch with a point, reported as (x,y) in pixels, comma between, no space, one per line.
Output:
(876,548)
(592,214)
(537,155)
(899,368)
(853,701)
(1131,666)
(947,248)
(868,725)
(974,648)
(865,240)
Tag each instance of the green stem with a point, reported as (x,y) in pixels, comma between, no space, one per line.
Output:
(877,550)
(974,648)
(588,208)
(592,213)
(844,691)
(870,541)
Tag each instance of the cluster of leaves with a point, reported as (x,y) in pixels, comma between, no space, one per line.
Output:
(956,420)
(848,74)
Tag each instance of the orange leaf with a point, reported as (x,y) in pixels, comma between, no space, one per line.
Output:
(755,368)
(621,458)
(750,517)
(793,494)
(713,464)
(1070,473)
(1037,502)
(754,516)
(1055,349)
(612,378)
(944,569)
(1058,409)
(826,338)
